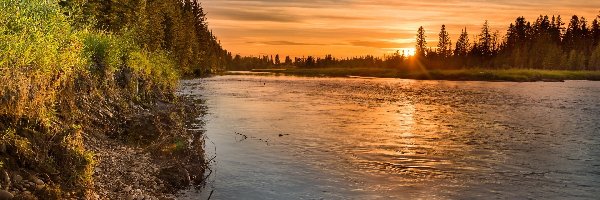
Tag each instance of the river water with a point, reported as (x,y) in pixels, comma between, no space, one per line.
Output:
(282,137)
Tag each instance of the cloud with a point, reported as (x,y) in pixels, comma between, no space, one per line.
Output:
(252,15)
(380,44)
(283,43)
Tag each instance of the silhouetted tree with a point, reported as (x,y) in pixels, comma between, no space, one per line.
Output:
(288,60)
(277,61)
(444,49)
(462,44)
(421,46)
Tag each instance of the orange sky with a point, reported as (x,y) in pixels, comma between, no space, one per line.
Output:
(360,27)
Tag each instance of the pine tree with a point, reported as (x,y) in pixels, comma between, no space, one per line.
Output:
(444,44)
(277,61)
(462,44)
(485,44)
(595,32)
(421,46)
(572,34)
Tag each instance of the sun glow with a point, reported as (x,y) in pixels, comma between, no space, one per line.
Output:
(406,51)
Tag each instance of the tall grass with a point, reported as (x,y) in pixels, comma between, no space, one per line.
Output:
(49,70)
(39,52)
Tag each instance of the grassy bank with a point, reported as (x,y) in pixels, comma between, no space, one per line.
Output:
(63,87)
(521,75)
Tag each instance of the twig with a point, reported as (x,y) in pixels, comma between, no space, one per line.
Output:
(210,160)
(210,195)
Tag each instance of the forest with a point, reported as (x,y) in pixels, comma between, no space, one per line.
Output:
(177,27)
(545,43)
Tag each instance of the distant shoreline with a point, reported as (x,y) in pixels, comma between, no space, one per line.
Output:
(511,75)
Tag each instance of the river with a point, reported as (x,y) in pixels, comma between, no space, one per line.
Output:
(283,137)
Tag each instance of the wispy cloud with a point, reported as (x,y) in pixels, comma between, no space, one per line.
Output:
(290,43)
(381,44)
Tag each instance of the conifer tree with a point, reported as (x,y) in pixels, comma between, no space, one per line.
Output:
(462,44)
(444,44)
(421,46)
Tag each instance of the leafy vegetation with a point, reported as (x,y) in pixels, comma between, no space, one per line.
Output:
(68,67)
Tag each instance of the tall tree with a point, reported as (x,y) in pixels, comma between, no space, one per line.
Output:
(462,44)
(572,34)
(277,60)
(288,60)
(444,43)
(485,44)
(421,46)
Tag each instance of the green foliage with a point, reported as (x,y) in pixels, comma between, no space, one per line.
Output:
(595,59)
(39,52)
(54,66)
(175,27)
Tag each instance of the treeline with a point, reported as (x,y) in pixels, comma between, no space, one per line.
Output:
(178,27)
(545,43)
(251,62)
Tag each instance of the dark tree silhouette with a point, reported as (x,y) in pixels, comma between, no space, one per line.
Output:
(444,49)
(421,46)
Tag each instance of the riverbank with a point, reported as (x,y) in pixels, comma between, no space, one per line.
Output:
(517,75)
(147,151)
(161,154)
(88,114)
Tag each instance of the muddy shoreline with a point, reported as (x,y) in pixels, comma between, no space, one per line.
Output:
(156,168)
(145,151)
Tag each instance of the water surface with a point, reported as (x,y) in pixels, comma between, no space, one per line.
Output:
(280,137)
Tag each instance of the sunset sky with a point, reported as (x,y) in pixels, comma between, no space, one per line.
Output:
(360,27)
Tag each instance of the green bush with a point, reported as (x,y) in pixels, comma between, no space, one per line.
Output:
(38,52)
(52,75)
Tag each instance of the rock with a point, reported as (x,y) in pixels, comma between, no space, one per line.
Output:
(17,178)
(127,189)
(176,177)
(5,195)
(39,187)
(39,182)
(3,148)
(130,197)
